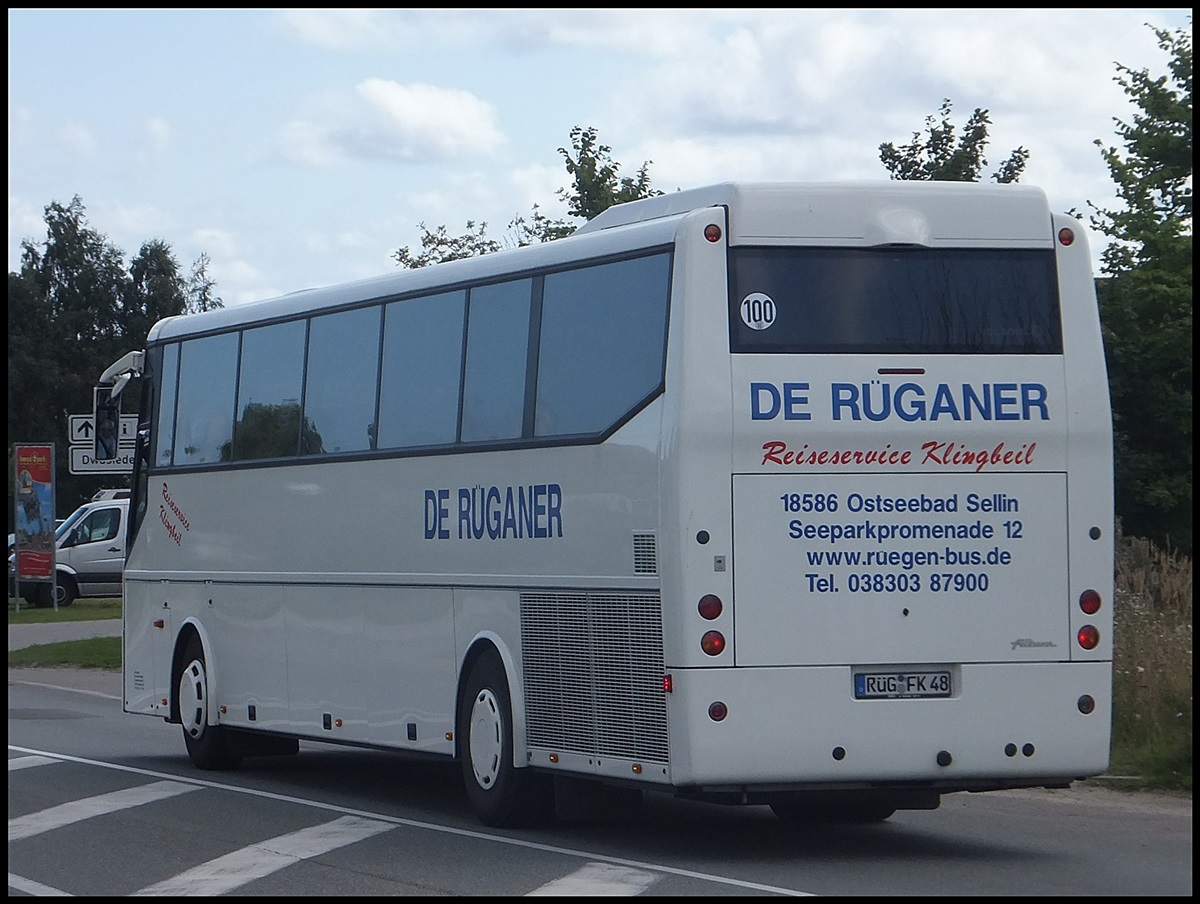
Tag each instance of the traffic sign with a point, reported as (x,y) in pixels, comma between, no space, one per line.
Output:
(83,429)
(83,461)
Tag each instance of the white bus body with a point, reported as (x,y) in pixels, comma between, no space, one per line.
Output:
(790,494)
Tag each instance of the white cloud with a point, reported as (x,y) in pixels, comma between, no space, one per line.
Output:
(79,139)
(340,28)
(385,120)
(25,221)
(158,136)
(422,119)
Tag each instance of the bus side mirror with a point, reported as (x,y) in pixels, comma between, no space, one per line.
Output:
(107,418)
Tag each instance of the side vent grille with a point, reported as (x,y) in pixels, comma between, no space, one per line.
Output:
(645,554)
(593,666)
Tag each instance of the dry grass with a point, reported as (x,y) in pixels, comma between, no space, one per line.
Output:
(1152,664)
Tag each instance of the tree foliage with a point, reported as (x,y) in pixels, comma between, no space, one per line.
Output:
(74,308)
(596,186)
(939,156)
(1146,301)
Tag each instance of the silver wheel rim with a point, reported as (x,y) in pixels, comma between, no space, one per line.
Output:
(486,739)
(193,699)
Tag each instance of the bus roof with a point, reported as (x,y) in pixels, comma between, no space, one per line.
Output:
(846,213)
(884,212)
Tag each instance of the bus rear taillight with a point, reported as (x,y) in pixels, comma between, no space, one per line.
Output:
(1066,236)
(710,606)
(713,643)
(712,232)
(1088,637)
(1089,602)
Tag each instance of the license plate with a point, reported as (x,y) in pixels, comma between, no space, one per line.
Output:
(900,685)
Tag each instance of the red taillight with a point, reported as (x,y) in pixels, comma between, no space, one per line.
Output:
(1089,602)
(1088,637)
(668,684)
(717,711)
(1066,235)
(712,643)
(710,606)
(712,232)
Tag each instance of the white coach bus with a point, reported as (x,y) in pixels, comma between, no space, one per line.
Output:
(796,495)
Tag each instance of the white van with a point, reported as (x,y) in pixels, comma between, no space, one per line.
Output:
(90,558)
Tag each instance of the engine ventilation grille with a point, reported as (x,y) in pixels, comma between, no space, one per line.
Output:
(593,667)
(645,554)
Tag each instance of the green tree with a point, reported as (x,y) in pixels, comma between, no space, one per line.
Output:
(74,308)
(438,246)
(939,156)
(1146,301)
(198,288)
(596,186)
(597,183)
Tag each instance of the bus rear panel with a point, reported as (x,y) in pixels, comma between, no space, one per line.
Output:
(908,533)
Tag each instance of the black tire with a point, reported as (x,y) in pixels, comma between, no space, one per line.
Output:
(207,744)
(501,795)
(66,590)
(846,808)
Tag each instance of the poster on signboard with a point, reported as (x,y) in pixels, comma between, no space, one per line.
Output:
(35,511)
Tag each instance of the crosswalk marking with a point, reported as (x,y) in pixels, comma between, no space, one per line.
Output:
(257,860)
(24,762)
(36,889)
(599,879)
(65,814)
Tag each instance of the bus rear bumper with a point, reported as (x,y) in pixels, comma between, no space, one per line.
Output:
(1005,725)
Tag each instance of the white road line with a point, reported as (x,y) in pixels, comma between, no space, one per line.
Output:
(428,826)
(599,879)
(65,814)
(24,762)
(37,889)
(257,860)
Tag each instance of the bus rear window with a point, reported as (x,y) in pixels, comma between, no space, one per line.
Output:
(912,300)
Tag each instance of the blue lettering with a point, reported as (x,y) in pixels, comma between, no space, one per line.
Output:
(464,514)
(520,512)
(510,515)
(431,518)
(1033,395)
(1005,396)
(478,523)
(943,404)
(554,509)
(539,510)
(885,398)
(915,410)
(792,398)
(525,510)
(493,513)
(845,395)
(980,402)
(757,413)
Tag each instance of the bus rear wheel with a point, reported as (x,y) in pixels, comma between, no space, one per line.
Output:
(501,794)
(207,744)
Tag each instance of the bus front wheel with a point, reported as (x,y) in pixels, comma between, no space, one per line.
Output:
(207,744)
(501,794)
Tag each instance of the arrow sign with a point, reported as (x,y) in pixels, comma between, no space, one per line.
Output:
(83,428)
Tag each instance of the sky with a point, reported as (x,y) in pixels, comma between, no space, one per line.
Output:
(302,148)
